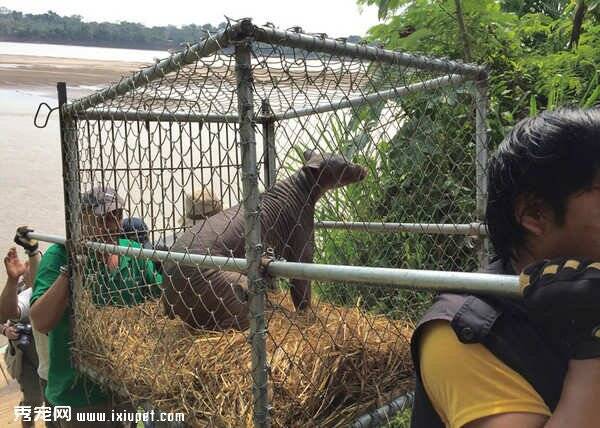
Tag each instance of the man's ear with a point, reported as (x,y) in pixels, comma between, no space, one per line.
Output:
(532,214)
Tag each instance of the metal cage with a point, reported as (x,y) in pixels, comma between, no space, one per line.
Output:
(217,130)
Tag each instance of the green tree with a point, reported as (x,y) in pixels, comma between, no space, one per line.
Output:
(53,28)
(533,65)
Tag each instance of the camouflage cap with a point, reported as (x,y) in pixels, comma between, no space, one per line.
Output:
(102,200)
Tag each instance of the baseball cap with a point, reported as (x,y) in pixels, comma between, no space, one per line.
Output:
(102,200)
(135,228)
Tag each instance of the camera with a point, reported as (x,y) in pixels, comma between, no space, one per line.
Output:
(25,335)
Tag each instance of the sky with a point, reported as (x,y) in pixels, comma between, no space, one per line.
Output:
(334,17)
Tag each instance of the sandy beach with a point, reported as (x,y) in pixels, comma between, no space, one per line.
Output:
(41,73)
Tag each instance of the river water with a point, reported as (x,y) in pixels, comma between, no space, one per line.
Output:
(30,163)
(79,52)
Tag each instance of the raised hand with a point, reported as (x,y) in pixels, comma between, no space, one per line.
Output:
(14,266)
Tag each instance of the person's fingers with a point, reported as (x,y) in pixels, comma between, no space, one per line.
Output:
(11,333)
(12,253)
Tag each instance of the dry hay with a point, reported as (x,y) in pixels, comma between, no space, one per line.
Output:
(327,367)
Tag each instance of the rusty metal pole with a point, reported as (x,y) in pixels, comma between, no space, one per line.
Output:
(250,203)
(269,155)
(481,159)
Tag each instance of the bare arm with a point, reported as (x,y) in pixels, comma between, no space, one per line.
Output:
(579,404)
(34,263)
(47,311)
(9,309)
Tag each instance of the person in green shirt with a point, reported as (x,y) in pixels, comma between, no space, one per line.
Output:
(118,281)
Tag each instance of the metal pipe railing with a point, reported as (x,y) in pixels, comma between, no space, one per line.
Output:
(383,414)
(342,48)
(152,116)
(186,259)
(106,114)
(372,97)
(462,282)
(470,229)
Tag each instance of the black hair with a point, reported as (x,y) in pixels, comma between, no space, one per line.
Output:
(550,156)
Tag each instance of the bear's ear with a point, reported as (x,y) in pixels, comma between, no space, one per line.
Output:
(311,160)
(308,154)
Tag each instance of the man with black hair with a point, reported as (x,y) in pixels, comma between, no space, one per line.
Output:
(491,362)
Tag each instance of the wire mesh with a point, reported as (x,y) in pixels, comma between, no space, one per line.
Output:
(334,133)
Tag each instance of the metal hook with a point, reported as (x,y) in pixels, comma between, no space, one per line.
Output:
(50,110)
(471,241)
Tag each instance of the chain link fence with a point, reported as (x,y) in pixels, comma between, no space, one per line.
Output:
(255,169)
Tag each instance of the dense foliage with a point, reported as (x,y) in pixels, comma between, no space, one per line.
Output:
(527,45)
(540,55)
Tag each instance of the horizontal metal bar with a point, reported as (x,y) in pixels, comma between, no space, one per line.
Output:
(337,47)
(109,383)
(373,98)
(102,114)
(141,116)
(54,239)
(191,54)
(463,282)
(186,259)
(383,414)
(471,229)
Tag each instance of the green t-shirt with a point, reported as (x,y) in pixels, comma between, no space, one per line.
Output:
(135,281)
(67,387)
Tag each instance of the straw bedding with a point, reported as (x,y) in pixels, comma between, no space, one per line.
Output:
(327,367)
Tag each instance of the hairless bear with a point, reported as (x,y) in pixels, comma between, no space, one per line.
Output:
(217,300)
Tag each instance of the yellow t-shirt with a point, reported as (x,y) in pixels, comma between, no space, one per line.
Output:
(466,382)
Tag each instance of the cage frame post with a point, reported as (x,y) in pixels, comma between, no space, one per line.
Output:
(69,148)
(326,45)
(192,53)
(252,238)
(474,229)
(67,125)
(269,154)
(383,414)
(481,160)
(388,94)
